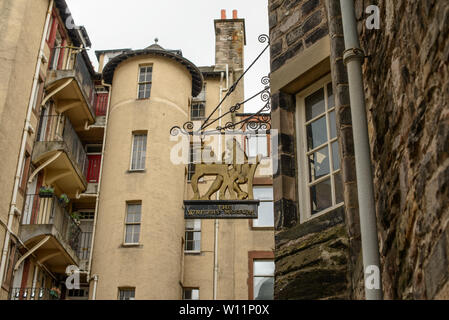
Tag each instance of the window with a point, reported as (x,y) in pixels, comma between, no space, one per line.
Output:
(126,293)
(24,170)
(38,93)
(132,224)
(256,144)
(192,158)
(50,27)
(263,279)
(77,293)
(56,55)
(266,209)
(198,108)
(145,81)
(193,235)
(321,182)
(198,111)
(11,261)
(190,294)
(139,149)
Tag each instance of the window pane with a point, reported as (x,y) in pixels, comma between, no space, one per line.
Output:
(265,215)
(336,155)
(316,133)
(136,233)
(256,145)
(319,164)
(147,90)
(263,268)
(132,233)
(315,104)
(139,152)
(129,234)
(338,189)
(198,111)
(330,96)
(321,196)
(127,294)
(263,288)
(333,124)
(263,193)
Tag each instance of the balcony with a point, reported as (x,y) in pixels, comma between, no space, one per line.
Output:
(72,87)
(59,150)
(47,225)
(32,294)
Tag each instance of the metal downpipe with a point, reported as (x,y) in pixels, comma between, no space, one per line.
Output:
(353,58)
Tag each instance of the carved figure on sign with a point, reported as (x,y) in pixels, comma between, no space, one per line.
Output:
(229,176)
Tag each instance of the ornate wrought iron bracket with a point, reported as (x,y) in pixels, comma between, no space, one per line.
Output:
(259,121)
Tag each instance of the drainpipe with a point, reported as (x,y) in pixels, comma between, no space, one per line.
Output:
(353,58)
(218,196)
(27,128)
(94,290)
(95,277)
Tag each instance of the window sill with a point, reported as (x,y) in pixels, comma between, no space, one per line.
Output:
(316,215)
(137,171)
(262,228)
(142,99)
(131,245)
(192,253)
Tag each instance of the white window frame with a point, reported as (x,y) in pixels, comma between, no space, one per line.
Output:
(139,83)
(254,226)
(260,275)
(257,136)
(140,133)
(195,230)
(132,223)
(301,135)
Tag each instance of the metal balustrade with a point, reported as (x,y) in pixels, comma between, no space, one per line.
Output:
(33,294)
(50,211)
(57,128)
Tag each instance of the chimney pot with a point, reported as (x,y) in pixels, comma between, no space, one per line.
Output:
(234,14)
(223,14)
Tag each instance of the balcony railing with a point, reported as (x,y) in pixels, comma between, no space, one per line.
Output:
(50,128)
(32,294)
(49,211)
(82,74)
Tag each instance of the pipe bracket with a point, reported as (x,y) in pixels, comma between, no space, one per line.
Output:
(353,53)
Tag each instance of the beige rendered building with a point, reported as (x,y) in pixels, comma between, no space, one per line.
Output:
(88,177)
(143,246)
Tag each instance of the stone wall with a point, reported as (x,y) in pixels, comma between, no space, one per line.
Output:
(294,26)
(407,92)
(312,258)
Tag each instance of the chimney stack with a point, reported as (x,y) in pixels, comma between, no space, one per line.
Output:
(230,40)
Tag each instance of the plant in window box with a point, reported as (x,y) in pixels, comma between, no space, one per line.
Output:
(64,200)
(76,217)
(46,192)
(55,293)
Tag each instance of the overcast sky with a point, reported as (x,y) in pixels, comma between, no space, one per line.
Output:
(178,24)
